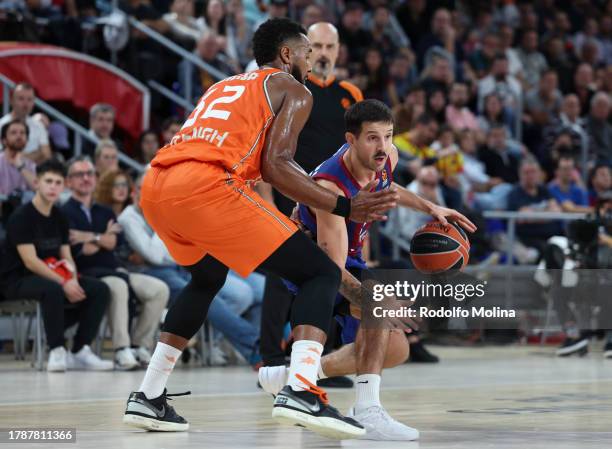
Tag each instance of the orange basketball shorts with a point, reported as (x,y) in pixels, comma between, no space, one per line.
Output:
(197,209)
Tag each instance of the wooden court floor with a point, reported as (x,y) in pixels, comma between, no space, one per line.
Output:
(491,397)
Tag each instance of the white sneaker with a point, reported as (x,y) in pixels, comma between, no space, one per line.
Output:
(217,356)
(86,360)
(381,427)
(125,360)
(273,378)
(142,354)
(57,360)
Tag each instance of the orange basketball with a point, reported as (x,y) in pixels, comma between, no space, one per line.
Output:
(436,248)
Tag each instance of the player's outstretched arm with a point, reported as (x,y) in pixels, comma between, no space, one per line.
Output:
(413,201)
(292,103)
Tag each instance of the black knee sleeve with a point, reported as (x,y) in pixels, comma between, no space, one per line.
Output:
(190,308)
(315,300)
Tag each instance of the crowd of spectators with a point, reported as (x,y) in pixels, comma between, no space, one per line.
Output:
(498,105)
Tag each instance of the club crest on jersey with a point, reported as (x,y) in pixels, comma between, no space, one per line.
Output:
(384,178)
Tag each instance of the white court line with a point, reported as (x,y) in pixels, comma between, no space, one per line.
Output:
(259,393)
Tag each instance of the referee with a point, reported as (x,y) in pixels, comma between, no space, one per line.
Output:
(321,137)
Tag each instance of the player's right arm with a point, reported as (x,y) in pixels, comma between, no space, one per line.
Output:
(292,103)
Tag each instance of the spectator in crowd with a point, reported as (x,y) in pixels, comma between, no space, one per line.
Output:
(480,60)
(239,32)
(566,188)
(237,297)
(215,21)
(372,79)
(148,144)
(599,129)
(405,114)
(501,163)
(16,171)
(532,60)
(101,126)
(37,148)
(38,264)
(93,235)
(458,115)
(438,73)
(584,87)
(170,127)
(426,185)
(383,36)
(506,42)
(183,26)
(106,157)
(414,145)
(209,51)
(414,19)
(442,35)
(543,103)
(530,195)
(313,13)
(275,9)
(502,83)
(352,34)
(113,191)
(561,61)
(402,75)
(494,113)
(600,183)
(436,105)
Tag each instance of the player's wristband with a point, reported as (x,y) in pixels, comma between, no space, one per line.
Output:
(343,207)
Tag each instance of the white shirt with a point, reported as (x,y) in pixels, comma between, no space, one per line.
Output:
(510,91)
(142,239)
(411,220)
(37,133)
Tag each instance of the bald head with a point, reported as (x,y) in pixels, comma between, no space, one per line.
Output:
(325,44)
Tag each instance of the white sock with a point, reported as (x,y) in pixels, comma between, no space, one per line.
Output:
(368,391)
(162,363)
(305,361)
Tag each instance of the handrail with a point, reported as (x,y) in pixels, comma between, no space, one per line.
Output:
(170,95)
(80,131)
(533,215)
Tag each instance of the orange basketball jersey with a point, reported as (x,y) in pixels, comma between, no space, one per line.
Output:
(227,128)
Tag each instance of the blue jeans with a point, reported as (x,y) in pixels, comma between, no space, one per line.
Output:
(495,199)
(240,332)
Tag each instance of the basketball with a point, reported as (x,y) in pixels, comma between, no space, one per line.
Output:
(436,248)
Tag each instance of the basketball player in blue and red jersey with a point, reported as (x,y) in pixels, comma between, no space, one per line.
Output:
(368,156)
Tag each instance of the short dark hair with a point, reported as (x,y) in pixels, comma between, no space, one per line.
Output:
(366,111)
(270,37)
(51,166)
(564,157)
(6,127)
(425,119)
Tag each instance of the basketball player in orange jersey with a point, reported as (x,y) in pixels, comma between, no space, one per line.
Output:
(198,197)
(368,156)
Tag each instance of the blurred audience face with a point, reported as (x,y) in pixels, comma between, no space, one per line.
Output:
(583,76)
(427,132)
(496,139)
(325,47)
(529,175)
(493,106)
(589,52)
(446,138)
(373,144)
(102,124)
(278,10)
(215,11)
(437,101)
(121,189)
(562,22)
(183,8)
(149,146)
(565,170)
(352,18)
(82,178)
(467,142)
(441,22)
(506,35)
(490,44)
(530,41)
(416,97)
(373,60)
(170,132)
(459,95)
(441,69)
(136,192)
(571,107)
(108,160)
(556,49)
(399,68)
(208,47)
(499,69)
(16,137)
(428,180)
(22,102)
(602,179)
(312,14)
(549,83)
(600,106)
(381,17)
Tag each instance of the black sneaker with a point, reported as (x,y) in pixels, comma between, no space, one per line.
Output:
(420,354)
(572,346)
(608,350)
(310,409)
(154,414)
(336,382)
